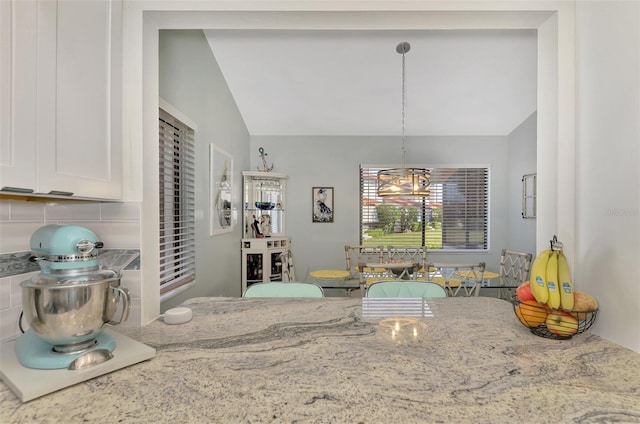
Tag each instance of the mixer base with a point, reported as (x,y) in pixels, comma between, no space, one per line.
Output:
(31,383)
(33,352)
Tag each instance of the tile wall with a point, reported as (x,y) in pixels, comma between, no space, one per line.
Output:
(117,225)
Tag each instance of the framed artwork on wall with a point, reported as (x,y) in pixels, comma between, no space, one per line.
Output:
(322,198)
(221,196)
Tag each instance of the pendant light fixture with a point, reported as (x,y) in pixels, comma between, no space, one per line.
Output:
(403,181)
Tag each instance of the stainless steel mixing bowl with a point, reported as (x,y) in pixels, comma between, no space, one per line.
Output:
(69,310)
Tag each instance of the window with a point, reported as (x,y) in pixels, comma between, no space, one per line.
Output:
(455,216)
(177,223)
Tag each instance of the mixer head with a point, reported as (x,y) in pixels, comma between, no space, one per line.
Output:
(65,248)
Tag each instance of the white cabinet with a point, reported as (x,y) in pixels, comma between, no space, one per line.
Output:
(263,220)
(261,260)
(61,112)
(18,94)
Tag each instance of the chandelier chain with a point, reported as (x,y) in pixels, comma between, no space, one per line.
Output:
(403,182)
(404,153)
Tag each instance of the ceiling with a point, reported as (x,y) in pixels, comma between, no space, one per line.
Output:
(348,82)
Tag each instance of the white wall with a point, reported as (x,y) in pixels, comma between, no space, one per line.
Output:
(334,162)
(191,81)
(521,156)
(608,171)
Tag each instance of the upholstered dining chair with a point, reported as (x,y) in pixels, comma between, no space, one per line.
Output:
(465,279)
(405,288)
(279,289)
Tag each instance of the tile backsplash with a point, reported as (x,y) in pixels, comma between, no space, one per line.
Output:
(117,225)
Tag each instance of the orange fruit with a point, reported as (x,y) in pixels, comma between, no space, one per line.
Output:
(531,313)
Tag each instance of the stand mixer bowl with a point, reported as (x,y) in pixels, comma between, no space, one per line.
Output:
(70,311)
(69,302)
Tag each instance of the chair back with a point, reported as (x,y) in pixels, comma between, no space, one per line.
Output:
(405,288)
(288,273)
(515,265)
(416,254)
(358,254)
(279,289)
(465,279)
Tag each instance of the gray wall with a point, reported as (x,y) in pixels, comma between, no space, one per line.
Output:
(521,156)
(334,162)
(191,81)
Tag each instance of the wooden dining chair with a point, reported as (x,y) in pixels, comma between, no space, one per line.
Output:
(514,270)
(280,289)
(465,279)
(360,254)
(417,254)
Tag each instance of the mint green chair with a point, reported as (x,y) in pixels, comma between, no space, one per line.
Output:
(404,288)
(278,289)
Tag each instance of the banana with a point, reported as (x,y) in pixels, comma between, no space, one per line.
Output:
(538,277)
(552,281)
(565,283)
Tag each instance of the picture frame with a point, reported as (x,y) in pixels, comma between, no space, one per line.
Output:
(322,205)
(221,190)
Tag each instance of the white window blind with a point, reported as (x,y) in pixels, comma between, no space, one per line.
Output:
(454,216)
(177,224)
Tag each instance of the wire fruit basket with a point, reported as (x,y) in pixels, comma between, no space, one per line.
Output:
(551,323)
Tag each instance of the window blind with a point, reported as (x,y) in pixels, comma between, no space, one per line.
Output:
(177,223)
(454,216)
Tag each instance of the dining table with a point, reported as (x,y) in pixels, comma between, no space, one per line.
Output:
(319,360)
(400,270)
(335,279)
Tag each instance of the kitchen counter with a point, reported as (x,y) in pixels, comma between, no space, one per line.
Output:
(317,360)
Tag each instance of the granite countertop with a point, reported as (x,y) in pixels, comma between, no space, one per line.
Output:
(318,361)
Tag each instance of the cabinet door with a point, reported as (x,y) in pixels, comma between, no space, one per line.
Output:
(18,64)
(79,97)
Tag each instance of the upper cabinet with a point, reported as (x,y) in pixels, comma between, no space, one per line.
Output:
(61,90)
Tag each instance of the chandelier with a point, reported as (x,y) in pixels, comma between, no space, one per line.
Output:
(403,181)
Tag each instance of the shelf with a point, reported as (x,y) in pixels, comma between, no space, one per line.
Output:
(264,210)
(46,197)
(264,175)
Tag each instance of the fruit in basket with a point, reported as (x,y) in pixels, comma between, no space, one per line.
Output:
(561,323)
(582,302)
(539,276)
(523,292)
(565,282)
(531,313)
(552,281)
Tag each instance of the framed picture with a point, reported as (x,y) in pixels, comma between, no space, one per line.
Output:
(322,204)
(221,196)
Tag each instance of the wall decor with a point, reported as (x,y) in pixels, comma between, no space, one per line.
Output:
(322,204)
(221,196)
(529,196)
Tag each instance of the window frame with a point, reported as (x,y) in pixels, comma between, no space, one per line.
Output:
(366,200)
(181,208)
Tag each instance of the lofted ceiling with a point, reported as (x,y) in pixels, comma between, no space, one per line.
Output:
(348,82)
